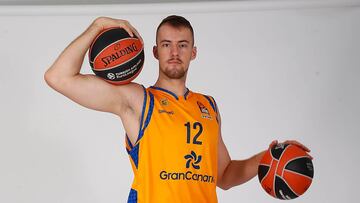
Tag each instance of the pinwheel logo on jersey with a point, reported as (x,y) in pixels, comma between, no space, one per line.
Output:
(193,160)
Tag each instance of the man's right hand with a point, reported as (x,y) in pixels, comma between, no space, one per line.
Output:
(106,22)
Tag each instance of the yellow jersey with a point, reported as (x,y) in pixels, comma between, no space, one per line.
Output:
(175,156)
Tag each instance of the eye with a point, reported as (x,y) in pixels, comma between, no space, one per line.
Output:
(183,45)
(165,45)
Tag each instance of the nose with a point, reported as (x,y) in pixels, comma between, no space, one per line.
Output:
(174,51)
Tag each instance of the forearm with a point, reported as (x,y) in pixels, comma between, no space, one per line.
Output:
(69,63)
(240,171)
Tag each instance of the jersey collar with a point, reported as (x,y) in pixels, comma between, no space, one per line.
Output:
(186,95)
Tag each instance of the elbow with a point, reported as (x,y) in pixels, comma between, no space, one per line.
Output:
(50,77)
(224,186)
(53,79)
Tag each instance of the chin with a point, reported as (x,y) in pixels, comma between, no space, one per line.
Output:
(175,74)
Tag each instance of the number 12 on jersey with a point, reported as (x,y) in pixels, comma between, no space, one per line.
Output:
(198,129)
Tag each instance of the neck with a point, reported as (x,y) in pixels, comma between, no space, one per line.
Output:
(176,86)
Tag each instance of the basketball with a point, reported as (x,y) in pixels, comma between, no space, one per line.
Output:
(115,56)
(285,171)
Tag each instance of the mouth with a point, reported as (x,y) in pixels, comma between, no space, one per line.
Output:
(174,61)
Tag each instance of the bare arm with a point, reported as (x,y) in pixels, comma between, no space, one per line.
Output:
(236,172)
(88,90)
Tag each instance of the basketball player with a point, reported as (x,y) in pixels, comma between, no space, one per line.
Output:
(173,134)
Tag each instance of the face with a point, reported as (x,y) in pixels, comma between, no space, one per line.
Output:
(175,49)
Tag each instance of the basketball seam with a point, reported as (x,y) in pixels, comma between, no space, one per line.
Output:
(277,164)
(286,146)
(265,165)
(111,45)
(97,36)
(290,171)
(267,171)
(272,155)
(300,157)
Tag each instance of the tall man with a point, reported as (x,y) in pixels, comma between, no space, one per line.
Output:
(173,134)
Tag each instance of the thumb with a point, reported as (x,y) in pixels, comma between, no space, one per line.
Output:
(273,143)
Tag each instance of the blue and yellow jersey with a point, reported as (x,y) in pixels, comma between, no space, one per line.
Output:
(175,156)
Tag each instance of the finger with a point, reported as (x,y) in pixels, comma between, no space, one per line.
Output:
(297,144)
(136,33)
(127,27)
(128,30)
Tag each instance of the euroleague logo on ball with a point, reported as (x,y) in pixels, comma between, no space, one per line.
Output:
(111,76)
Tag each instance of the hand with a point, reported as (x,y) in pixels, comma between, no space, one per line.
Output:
(106,22)
(293,142)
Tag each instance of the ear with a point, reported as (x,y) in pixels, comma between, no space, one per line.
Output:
(193,53)
(155,52)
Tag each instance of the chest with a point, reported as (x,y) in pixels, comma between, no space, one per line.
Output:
(190,122)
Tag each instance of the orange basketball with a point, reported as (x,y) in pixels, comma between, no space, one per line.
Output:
(286,171)
(116,57)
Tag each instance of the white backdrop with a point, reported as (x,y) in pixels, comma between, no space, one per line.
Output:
(278,70)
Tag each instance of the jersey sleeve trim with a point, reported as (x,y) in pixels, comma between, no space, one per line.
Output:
(186,93)
(147,107)
(143,108)
(148,117)
(211,102)
(213,105)
(216,107)
(133,196)
(129,146)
